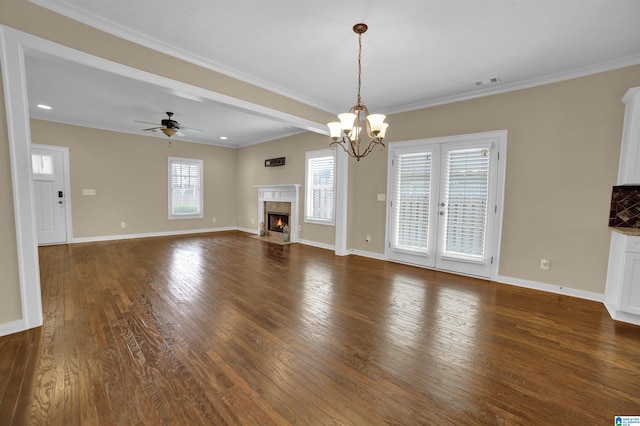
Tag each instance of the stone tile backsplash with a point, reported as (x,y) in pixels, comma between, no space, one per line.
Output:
(625,207)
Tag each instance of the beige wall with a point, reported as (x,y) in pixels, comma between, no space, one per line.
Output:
(129,174)
(10,306)
(251,171)
(563,150)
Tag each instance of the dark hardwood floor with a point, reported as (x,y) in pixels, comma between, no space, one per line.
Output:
(225,329)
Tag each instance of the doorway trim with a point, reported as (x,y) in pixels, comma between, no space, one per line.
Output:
(67,185)
(501,136)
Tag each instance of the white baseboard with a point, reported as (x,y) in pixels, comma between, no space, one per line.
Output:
(248,230)
(12,327)
(551,288)
(534,285)
(152,234)
(369,254)
(317,244)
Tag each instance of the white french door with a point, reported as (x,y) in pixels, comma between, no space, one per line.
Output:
(50,188)
(443,203)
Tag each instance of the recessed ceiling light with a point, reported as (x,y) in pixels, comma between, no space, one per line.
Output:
(43,106)
(224,138)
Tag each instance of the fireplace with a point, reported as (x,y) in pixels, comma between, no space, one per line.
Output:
(281,200)
(276,221)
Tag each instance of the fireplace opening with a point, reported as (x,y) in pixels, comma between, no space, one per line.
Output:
(277,221)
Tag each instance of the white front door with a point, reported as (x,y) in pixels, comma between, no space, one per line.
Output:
(443,208)
(50,194)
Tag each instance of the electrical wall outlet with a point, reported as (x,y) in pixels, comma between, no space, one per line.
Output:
(213,219)
(545,264)
(123,225)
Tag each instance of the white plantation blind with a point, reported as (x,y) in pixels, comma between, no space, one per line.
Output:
(185,188)
(466,196)
(412,196)
(320,187)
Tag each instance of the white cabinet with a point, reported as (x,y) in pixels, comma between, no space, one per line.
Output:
(629,169)
(622,295)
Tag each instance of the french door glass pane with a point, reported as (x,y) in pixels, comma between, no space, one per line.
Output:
(466,196)
(412,199)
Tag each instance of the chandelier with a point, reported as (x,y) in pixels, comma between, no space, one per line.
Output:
(348,132)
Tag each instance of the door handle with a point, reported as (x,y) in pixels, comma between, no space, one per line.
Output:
(441,213)
(441,204)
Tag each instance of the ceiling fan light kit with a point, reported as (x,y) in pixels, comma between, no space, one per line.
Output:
(347,133)
(169,131)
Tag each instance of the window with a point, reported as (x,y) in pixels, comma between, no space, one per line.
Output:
(320,187)
(413,201)
(185,188)
(42,164)
(466,193)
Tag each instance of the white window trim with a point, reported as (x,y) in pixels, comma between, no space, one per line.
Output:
(193,161)
(318,154)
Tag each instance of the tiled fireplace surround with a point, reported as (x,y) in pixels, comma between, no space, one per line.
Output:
(625,207)
(280,198)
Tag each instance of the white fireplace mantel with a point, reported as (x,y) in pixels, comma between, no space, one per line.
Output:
(281,193)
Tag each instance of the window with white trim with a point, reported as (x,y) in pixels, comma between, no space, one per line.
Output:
(185,188)
(320,187)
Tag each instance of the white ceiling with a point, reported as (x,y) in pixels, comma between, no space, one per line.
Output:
(416,53)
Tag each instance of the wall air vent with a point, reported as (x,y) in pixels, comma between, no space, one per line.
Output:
(274,162)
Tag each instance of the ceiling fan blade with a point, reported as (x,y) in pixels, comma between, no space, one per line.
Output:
(152,128)
(190,130)
(146,122)
(179,133)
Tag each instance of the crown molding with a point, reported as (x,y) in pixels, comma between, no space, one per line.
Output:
(534,82)
(110,27)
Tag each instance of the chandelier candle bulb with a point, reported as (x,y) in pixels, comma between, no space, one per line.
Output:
(375,122)
(347,119)
(383,130)
(335,129)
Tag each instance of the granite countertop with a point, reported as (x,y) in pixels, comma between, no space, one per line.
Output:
(633,232)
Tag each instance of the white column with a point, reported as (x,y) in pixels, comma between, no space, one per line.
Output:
(17,107)
(342,183)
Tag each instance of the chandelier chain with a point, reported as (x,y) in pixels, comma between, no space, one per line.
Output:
(359,67)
